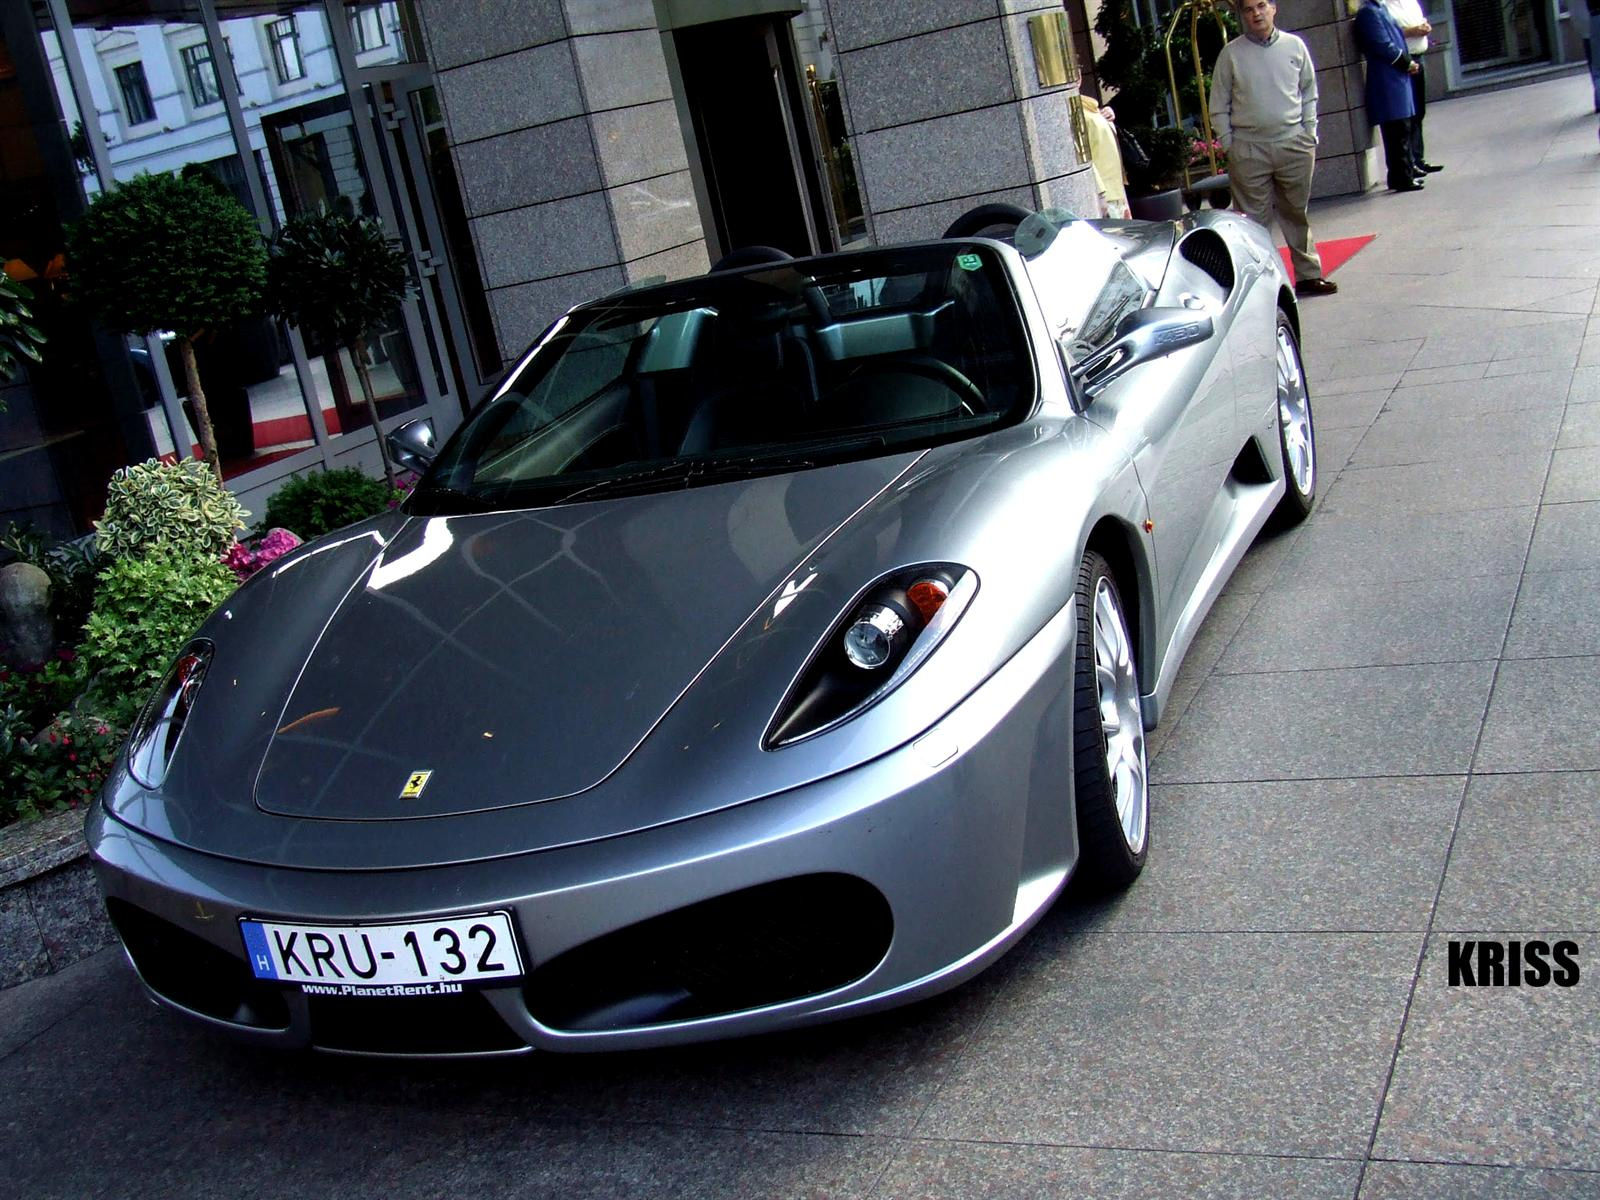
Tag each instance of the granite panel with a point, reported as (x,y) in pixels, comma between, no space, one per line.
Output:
(23,954)
(968,154)
(1546,877)
(1555,615)
(931,220)
(1541,717)
(639,142)
(1451,485)
(1432,620)
(30,848)
(958,1171)
(1075,191)
(1338,175)
(522,311)
(1497,1075)
(1253,1043)
(532,87)
(1047,126)
(934,75)
(609,16)
(619,69)
(71,913)
(1567,537)
(858,23)
(1382,548)
(1274,857)
(558,237)
(1333,139)
(678,263)
(1580,426)
(1325,42)
(1574,475)
(1447,1181)
(1332,101)
(1399,438)
(530,166)
(1340,724)
(655,215)
(27,1012)
(466,31)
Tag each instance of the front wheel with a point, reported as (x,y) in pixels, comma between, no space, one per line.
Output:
(1110,770)
(1297,436)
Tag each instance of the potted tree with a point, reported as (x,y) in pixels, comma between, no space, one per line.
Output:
(160,252)
(341,277)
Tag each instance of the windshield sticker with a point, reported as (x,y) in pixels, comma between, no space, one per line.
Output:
(968,262)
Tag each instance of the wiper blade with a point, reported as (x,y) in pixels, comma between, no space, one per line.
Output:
(437,500)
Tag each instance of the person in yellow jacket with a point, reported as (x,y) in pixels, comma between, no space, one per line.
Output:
(1106,158)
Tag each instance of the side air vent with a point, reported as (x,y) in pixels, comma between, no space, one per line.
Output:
(1206,250)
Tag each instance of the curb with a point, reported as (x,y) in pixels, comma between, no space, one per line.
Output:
(51,913)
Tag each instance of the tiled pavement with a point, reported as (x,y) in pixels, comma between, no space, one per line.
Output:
(1386,737)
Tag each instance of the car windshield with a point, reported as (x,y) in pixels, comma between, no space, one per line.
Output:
(732,374)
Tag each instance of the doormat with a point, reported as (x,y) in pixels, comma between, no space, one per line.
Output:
(1334,253)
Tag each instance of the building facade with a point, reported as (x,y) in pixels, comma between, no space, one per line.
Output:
(529,154)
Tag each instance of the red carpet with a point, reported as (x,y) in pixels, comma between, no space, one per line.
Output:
(1334,253)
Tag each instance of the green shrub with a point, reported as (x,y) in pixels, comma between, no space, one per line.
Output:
(144,610)
(62,766)
(318,503)
(178,506)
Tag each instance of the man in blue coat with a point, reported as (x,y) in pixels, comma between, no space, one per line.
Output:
(1389,102)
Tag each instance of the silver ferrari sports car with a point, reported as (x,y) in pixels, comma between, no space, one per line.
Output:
(772,646)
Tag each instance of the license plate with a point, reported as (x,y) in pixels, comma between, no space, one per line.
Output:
(415,958)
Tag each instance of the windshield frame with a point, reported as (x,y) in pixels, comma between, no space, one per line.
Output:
(1005,338)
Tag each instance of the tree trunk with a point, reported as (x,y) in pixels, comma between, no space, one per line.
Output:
(358,352)
(202,415)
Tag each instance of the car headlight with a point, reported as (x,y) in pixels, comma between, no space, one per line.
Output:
(155,733)
(881,639)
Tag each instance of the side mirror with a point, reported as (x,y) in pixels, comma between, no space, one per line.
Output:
(412,444)
(1142,336)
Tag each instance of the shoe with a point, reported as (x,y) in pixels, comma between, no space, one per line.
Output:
(1315,287)
(1429,168)
(1410,185)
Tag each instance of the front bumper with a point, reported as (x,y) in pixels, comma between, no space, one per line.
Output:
(966,834)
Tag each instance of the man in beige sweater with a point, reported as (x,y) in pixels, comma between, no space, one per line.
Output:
(1264,111)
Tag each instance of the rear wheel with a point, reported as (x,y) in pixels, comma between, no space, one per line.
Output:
(1297,436)
(1110,770)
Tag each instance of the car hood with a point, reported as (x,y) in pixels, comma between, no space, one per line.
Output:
(492,660)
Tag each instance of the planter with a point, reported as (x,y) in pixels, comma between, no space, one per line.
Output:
(1160,206)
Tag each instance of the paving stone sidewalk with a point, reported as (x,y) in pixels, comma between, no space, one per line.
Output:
(1387,738)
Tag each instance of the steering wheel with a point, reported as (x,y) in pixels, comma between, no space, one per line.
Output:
(928,367)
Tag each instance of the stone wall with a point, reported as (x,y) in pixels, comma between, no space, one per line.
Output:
(946,112)
(51,911)
(1346,159)
(567,144)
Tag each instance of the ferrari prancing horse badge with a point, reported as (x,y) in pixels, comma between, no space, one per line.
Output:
(414,784)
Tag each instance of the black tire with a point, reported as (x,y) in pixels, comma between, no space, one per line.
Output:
(1002,218)
(1107,859)
(1298,498)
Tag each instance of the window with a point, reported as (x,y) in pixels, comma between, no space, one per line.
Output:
(201,72)
(366,27)
(284,40)
(136,100)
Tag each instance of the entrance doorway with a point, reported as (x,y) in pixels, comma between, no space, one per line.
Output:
(756,147)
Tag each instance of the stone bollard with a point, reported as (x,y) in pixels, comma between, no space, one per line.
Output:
(26,632)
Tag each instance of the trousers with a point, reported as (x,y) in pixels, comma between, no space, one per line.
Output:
(1268,176)
(1419,94)
(1397,151)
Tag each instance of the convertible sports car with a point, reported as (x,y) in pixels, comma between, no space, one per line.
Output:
(771,647)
